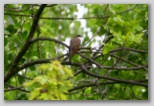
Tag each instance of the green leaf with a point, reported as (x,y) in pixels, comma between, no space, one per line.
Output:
(21,79)
(6,32)
(108,47)
(28,83)
(138,37)
(87,90)
(44,96)
(34,94)
(5,41)
(10,20)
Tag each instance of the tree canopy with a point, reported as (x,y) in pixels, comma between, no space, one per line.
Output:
(112,63)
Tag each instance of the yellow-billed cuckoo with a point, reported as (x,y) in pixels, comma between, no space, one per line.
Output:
(74,46)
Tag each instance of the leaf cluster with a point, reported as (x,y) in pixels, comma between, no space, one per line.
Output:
(53,84)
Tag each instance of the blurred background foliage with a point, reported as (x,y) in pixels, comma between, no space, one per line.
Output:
(126,23)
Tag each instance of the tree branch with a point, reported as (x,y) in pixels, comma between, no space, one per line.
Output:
(64,18)
(123,60)
(127,61)
(48,39)
(110,78)
(108,67)
(88,85)
(15,62)
(12,88)
(130,49)
(39,62)
(99,83)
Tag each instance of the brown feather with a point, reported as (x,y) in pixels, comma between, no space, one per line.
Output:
(74,46)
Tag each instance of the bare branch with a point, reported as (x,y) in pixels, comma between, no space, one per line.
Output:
(108,67)
(110,78)
(49,39)
(127,61)
(12,88)
(88,85)
(39,62)
(99,83)
(124,60)
(64,18)
(24,77)
(130,49)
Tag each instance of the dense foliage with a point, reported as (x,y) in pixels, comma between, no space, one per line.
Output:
(112,63)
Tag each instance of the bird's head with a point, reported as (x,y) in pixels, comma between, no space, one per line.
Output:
(78,36)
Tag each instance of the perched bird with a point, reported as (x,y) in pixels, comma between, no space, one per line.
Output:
(74,46)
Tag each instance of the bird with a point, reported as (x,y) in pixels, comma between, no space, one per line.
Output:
(74,46)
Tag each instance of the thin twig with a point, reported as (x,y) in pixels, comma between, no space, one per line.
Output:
(12,88)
